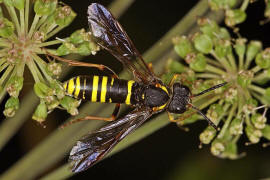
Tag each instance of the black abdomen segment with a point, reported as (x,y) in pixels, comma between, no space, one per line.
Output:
(101,89)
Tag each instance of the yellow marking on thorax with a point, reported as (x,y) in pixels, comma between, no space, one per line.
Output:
(94,89)
(71,86)
(130,83)
(162,87)
(78,87)
(159,107)
(103,89)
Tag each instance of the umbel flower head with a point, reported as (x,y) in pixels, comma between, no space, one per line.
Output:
(24,44)
(211,57)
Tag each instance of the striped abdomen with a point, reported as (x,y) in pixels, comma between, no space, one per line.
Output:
(101,89)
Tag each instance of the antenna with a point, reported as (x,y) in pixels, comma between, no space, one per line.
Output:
(205,117)
(210,89)
(199,111)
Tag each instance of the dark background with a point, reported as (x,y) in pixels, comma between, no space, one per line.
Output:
(169,153)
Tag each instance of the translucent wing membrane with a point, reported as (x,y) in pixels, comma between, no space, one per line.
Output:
(94,146)
(110,35)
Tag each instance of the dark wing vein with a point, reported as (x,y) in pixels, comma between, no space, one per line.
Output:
(110,35)
(94,146)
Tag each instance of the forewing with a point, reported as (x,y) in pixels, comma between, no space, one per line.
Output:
(94,146)
(110,35)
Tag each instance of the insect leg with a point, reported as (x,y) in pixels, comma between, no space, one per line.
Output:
(77,63)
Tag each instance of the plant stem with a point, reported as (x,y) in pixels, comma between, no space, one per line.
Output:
(256,69)
(232,62)
(214,70)
(33,69)
(228,121)
(6,74)
(257,89)
(14,17)
(26,15)
(207,75)
(42,66)
(49,43)
(55,31)
(22,21)
(33,26)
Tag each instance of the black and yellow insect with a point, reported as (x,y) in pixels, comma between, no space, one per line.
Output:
(146,93)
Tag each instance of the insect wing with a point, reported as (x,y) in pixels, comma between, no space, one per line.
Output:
(94,146)
(110,35)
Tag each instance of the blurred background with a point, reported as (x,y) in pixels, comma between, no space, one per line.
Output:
(169,153)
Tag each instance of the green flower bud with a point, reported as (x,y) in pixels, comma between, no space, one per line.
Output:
(266,132)
(40,113)
(54,68)
(208,27)
(175,66)
(64,16)
(45,7)
(253,48)
(263,59)
(258,120)
(236,126)
(65,48)
(231,95)
(208,135)
(51,102)
(58,89)
(244,78)
(94,47)
(267,9)
(197,63)
(250,105)
(70,105)
(235,16)
(6,28)
(253,134)
(221,4)
(182,46)
(42,90)
(266,96)
(11,106)
(214,112)
(240,47)
(217,147)
(203,43)
(230,151)
(79,36)
(14,85)
(223,48)
(224,34)
(84,49)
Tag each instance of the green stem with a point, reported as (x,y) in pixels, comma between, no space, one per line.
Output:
(41,21)
(42,66)
(26,15)
(33,26)
(232,62)
(213,62)
(259,97)
(55,31)
(228,121)
(207,75)
(257,89)
(241,63)
(6,74)
(3,66)
(22,21)
(244,5)
(223,61)
(260,76)
(256,69)
(214,70)
(49,43)
(32,67)
(14,17)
